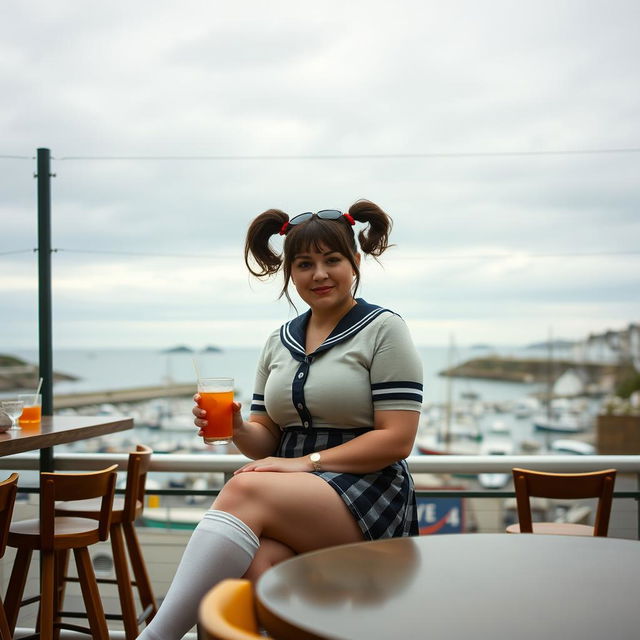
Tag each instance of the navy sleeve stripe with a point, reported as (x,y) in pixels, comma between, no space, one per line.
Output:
(396,384)
(417,397)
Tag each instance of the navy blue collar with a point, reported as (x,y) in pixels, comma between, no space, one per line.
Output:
(293,333)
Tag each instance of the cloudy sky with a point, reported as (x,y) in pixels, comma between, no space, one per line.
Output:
(502,137)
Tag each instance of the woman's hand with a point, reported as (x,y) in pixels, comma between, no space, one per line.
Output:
(201,415)
(278,464)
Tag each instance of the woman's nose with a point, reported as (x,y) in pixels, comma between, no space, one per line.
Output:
(320,273)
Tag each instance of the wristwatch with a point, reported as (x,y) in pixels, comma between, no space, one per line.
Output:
(315,461)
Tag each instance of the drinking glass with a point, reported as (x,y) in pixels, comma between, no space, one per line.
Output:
(216,398)
(32,409)
(13,408)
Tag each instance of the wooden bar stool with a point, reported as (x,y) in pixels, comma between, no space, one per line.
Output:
(8,489)
(568,486)
(53,535)
(125,511)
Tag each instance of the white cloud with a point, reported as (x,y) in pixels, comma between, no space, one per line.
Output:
(290,78)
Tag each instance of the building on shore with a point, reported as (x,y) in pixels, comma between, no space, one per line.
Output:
(615,347)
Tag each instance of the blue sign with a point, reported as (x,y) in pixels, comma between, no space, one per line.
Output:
(440,515)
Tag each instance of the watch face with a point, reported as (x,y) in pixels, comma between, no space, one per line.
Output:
(315,457)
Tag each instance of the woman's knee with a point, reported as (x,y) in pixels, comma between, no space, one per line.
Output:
(237,490)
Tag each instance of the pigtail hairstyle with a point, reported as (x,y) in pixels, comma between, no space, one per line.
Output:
(374,239)
(258,246)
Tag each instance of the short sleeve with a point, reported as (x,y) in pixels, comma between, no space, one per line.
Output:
(262,374)
(396,368)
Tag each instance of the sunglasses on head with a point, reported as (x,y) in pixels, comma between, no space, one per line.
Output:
(325,214)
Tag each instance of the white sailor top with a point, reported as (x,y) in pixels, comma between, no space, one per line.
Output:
(368,363)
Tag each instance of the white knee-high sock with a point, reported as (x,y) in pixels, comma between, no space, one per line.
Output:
(220,547)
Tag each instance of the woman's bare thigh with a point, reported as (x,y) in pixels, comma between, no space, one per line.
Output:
(298,509)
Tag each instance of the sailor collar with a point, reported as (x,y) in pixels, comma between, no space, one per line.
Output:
(293,333)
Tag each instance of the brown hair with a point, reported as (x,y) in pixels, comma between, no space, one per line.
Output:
(337,235)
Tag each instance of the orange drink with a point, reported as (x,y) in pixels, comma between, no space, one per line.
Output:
(216,397)
(32,409)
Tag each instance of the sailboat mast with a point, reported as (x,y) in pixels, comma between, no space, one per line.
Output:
(448,408)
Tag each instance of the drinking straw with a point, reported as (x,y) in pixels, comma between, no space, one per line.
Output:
(195,366)
(39,387)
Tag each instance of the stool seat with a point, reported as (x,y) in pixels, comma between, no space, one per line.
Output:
(71,533)
(91,509)
(556,528)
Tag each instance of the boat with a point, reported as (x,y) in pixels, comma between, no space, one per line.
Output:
(500,427)
(181,518)
(495,448)
(526,407)
(558,423)
(576,447)
(433,443)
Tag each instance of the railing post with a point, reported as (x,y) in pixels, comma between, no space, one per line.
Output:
(638,503)
(44,293)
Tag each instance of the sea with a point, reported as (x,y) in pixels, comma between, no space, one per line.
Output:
(108,369)
(98,369)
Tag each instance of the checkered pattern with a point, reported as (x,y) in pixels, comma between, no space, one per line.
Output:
(383,503)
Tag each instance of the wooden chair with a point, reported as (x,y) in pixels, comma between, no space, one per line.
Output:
(569,486)
(8,489)
(52,535)
(125,512)
(227,612)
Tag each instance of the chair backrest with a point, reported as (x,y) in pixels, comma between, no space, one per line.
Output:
(75,486)
(137,468)
(8,490)
(227,612)
(569,486)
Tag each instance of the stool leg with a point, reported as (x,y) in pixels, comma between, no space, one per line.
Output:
(5,632)
(61,568)
(91,595)
(47,594)
(17,582)
(125,592)
(139,570)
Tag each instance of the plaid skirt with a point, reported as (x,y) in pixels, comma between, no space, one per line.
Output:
(383,502)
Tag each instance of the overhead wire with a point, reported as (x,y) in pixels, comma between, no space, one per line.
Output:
(424,257)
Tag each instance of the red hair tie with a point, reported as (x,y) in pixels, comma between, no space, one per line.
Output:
(284,227)
(349,217)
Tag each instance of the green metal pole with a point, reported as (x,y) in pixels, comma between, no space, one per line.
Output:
(44,293)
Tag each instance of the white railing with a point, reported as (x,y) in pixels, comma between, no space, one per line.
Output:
(187,463)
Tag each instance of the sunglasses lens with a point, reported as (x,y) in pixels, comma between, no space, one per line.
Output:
(329,214)
(300,218)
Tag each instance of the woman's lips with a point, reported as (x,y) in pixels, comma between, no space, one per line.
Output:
(321,290)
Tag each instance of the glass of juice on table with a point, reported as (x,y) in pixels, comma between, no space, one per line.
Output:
(216,397)
(32,408)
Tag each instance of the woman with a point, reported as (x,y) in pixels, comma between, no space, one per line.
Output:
(335,412)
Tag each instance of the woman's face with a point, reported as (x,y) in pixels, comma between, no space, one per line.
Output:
(324,279)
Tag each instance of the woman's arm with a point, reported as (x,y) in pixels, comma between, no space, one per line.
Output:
(391,440)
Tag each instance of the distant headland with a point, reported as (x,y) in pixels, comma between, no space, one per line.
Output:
(16,374)
(184,349)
